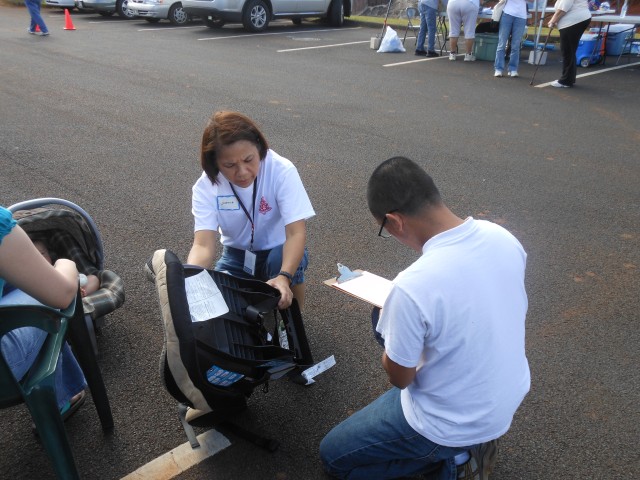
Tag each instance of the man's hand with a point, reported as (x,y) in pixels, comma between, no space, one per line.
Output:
(286,295)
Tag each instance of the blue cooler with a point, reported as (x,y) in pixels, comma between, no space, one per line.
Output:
(618,35)
(590,49)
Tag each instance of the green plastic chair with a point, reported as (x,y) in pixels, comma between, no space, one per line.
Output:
(37,389)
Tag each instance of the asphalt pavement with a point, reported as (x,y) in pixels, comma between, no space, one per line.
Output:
(110,115)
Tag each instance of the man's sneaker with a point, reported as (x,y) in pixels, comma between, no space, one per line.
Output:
(557,84)
(513,74)
(452,56)
(498,73)
(481,463)
(469,57)
(432,54)
(421,53)
(32,32)
(42,34)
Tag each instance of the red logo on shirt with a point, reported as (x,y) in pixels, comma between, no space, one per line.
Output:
(264,206)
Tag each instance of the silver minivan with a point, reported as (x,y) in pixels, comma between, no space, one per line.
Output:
(255,15)
(155,10)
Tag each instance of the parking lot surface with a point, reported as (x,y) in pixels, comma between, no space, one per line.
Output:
(110,115)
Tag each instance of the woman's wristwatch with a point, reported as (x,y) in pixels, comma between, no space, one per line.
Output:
(286,274)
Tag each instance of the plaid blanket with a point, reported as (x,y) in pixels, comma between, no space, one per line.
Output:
(67,235)
(107,298)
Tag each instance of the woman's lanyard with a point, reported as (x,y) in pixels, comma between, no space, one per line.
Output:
(246,212)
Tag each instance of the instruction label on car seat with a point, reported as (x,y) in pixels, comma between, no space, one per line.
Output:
(204,297)
(221,377)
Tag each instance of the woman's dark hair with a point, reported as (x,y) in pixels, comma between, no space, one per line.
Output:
(225,128)
(400,185)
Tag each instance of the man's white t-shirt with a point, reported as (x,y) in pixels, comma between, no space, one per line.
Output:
(280,200)
(458,315)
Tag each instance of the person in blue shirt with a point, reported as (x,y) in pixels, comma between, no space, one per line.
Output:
(55,285)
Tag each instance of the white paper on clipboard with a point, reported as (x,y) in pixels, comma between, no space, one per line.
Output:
(369,287)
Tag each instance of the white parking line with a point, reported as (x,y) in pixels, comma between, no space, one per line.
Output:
(604,70)
(416,61)
(181,458)
(169,28)
(115,21)
(280,33)
(321,46)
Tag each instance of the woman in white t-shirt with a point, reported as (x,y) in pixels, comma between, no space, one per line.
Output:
(255,201)
(572,17)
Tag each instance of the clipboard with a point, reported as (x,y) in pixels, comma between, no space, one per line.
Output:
(363,285)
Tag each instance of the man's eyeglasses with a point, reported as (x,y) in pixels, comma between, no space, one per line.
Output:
(383,232)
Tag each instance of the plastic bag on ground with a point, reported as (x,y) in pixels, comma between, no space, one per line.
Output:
(391,43)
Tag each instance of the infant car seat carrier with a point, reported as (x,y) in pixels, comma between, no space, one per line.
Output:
(212,366)
(70,232)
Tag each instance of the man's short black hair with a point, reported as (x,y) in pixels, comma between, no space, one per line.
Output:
(400,185)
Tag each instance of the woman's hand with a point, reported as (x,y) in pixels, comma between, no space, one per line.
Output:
(281,283)
(555,18)
(292,253)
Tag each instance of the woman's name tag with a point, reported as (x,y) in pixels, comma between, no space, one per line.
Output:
(228,202)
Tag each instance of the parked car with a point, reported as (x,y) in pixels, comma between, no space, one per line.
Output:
(106,8)
(155,10)
(64,4)
(255,15)
(68,4)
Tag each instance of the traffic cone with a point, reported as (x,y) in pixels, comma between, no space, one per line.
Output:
(68,24)
(37,27)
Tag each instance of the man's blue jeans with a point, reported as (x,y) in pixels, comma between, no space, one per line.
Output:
(427,22)
(377,442)
(36,19)
(268,264)
(514,27)
(21,347)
